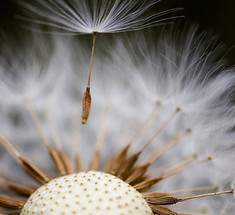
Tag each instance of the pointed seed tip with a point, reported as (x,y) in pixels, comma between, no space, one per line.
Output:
(178,109)
(158,102)
(83,120)
(209,158)
(86,105)
(188,130)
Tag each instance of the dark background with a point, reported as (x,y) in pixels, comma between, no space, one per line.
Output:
(217,16)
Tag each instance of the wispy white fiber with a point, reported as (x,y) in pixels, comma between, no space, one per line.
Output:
(84,17)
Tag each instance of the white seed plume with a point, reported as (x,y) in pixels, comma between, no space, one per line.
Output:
(84,17)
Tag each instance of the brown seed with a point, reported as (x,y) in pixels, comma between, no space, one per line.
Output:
(86,105)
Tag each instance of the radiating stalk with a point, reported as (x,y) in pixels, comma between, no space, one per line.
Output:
(205,195)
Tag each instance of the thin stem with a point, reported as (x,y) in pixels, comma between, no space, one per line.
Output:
(166,146)
(144,133)
(189,213)
(86,101)
(161,128)
(37,122)
(172,165)
(91,61)
(95,161)
(145,122)
(195,189)
(183,162)
(53,153)
(165,175)
(205,195)
(125,133)
(76,140)
(61,153)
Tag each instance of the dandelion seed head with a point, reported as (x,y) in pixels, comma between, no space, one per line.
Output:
(86,192)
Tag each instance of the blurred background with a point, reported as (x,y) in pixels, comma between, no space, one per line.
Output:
(217,16)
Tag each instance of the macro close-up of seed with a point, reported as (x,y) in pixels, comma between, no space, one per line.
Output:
(115,107)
